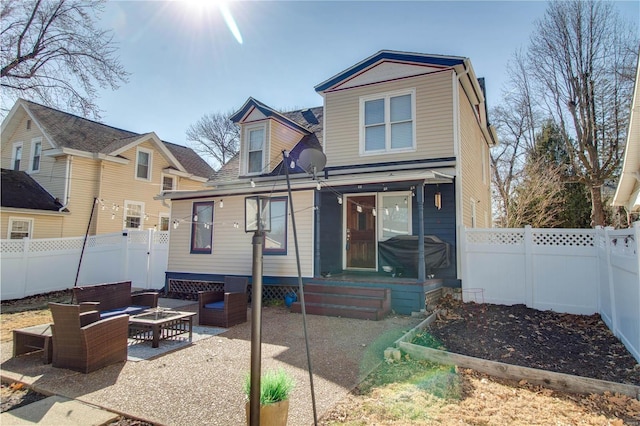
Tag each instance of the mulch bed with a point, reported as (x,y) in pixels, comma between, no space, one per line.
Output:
(580,345)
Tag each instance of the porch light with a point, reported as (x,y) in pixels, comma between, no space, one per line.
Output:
(257,214)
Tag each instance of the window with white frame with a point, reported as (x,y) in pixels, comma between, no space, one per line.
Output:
(275,241)
(133,214)
(164,222)
(394,214)
(387,122)
(143,164)
(16,158)
(255,143)
(19,228)
(168,183)
(36,152)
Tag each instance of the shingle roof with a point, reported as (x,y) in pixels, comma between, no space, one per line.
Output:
(309,118)
(70,131)
(19,190)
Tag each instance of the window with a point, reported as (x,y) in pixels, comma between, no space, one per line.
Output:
(395,214)
(387,123)
(275,241)
(36,151)
(202,227)
(168,183)
(255,149)
(19,228)
(17,155)
(164,222)
(143,164)
(133,212)
(28,124)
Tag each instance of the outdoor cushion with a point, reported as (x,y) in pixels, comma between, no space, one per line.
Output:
(129,310)
(215,305)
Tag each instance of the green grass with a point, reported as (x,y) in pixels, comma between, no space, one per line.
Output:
(275,386)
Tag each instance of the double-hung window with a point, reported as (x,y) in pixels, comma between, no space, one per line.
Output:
(168,183)
(143,164)
(17,155)
(255,149)
(36,152)
(19,228)
(202,227)
(133,212)
(275,241)
(387,122)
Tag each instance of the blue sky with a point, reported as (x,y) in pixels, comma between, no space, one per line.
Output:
(185,62)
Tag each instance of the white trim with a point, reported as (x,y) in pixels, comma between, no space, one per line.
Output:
(34,143)
(173,178)
(474,212)
(13,219)
(149,177)
(35,211)
(14,147)
(125,214)
(264,126)
(57,152)
(160,217)
(386,96)
(381,211)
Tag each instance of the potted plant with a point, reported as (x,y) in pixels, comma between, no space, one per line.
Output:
(275,387)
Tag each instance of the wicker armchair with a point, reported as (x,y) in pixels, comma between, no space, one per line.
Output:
(224,308)
(83,342)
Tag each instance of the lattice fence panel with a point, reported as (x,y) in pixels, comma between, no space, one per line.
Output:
(192,287)
(138,237)
(495,238)
(104,240)
(161,237)
(16,246)
(55,245)
(563,239)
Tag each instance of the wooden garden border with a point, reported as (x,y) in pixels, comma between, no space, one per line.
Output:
(558,381)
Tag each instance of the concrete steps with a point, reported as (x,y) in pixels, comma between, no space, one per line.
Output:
(345,301)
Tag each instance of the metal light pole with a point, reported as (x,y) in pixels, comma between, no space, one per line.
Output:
(258,220)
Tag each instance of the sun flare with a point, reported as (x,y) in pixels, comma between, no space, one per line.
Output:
(204,7)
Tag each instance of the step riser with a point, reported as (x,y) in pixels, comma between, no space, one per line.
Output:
(354,291)
(338,299)
(336,312)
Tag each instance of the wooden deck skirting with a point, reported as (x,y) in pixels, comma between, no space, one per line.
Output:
(557,381)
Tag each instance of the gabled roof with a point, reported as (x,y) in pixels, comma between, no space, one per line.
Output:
(68,131)
(267,111)
(21,191)
(390,55)
(309,118)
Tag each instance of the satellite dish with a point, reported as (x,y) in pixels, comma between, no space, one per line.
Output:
(312,160)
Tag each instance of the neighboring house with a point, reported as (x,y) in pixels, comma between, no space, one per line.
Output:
(406,139)
(25,203)
(78,161)
(628,192)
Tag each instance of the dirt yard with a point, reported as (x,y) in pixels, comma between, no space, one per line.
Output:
(421,393)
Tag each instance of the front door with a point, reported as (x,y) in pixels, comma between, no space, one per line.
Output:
(360,232)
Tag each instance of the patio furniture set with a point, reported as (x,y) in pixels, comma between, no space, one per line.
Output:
(94,332)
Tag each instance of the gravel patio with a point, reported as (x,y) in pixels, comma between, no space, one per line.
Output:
(201,384)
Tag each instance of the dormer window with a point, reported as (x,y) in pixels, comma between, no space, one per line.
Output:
(255,143)
(387,122)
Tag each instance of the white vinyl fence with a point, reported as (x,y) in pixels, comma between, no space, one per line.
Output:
(29,267)
(578,271)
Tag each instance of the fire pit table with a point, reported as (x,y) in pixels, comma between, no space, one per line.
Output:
(158,324)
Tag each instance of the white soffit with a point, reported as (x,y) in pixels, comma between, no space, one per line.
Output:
(385,71)
(254,115)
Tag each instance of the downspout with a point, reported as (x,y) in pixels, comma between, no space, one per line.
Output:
(67,183)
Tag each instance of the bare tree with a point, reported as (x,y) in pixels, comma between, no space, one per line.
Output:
(214,136)
(579,56)
(52,52)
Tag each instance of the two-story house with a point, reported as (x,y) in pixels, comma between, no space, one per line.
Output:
(88,167)
(406,140)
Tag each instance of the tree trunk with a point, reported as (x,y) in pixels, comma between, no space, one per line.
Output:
(597,210)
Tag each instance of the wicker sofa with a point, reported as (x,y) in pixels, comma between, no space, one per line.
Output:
(114,299)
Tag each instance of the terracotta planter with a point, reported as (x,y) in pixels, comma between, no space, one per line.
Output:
(272,414)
